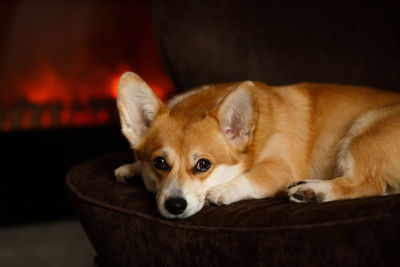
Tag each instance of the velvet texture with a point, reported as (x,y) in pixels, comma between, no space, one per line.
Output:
(280,42)
(125,228)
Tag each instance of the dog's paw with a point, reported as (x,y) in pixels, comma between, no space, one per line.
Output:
(220,195)
(309,191)
(124,173)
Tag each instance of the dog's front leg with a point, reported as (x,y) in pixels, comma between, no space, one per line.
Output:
(124,172)
(238,189)
(263,180)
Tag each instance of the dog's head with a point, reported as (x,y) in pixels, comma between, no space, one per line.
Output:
(185,150)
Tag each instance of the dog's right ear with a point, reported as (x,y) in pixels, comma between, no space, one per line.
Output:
(138,106)
(237,115)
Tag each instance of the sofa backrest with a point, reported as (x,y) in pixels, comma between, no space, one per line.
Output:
(280,42)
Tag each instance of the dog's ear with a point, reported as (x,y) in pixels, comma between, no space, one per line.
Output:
(237,115)
(138,106)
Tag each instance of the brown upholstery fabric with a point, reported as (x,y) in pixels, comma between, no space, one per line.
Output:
(280,42)
(126,230)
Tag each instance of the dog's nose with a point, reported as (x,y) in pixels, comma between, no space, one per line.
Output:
(175,205)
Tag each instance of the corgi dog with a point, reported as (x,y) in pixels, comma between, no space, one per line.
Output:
(247,140)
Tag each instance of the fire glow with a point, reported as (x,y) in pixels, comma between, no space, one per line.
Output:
(62,61)
(50,102)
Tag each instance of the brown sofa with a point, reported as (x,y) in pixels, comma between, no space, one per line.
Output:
(125,228)
(277,42)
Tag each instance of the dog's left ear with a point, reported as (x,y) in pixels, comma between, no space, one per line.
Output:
(138,106)
(238,115)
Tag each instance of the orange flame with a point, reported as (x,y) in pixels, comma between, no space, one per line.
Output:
(46,87)
(59,102)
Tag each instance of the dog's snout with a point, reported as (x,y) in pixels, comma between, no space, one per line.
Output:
(175,205)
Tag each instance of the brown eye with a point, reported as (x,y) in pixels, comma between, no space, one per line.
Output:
(160,163)
(202,165)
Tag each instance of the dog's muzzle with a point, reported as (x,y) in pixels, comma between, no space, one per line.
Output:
(175,205)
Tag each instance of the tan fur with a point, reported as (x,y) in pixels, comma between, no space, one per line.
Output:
(345,139)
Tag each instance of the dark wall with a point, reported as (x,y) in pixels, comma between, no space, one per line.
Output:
(280,42)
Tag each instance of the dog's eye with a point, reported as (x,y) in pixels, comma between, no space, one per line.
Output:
(160,163)
(202,165)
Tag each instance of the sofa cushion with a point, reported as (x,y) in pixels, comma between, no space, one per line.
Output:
(125,228)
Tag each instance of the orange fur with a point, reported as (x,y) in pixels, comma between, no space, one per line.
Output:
(344,138)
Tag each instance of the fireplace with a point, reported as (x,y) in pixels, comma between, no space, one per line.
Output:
(60,62)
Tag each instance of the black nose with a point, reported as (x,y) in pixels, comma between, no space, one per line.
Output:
(175,205)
